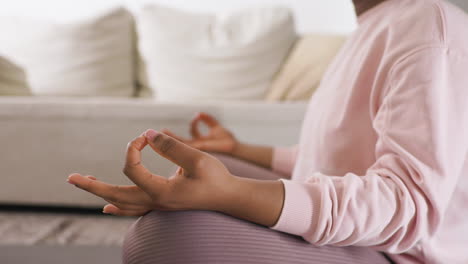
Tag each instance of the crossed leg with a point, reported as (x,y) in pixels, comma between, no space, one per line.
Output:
(211,237)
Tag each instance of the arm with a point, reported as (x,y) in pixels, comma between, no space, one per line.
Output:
(259,155)
(421,125)
(400,201)
(280,159)
(284,160)
(221,140)
(258,201)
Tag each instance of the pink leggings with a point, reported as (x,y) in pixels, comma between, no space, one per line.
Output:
(210,237)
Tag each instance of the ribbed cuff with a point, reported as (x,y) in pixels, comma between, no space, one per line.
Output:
(283,160)
(296,216)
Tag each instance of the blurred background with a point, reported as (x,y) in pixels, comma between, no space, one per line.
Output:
(79,79)
(311,16)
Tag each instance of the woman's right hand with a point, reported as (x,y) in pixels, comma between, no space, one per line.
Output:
(218,139)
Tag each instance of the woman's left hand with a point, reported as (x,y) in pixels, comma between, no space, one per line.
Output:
(201,182)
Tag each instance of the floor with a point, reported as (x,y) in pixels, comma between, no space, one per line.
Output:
(57,235)
(59,254)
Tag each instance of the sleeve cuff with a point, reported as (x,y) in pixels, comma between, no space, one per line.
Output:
(283,160)
(296,216)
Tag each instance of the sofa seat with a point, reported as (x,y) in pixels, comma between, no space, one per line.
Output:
(44,139)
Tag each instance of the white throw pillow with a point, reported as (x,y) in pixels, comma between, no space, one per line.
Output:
(13,80)
(91,57)
(193,56)
(302,72)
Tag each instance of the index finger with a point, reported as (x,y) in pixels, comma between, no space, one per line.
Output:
(209,120)
(205,118)
(138,173)
(116,193)
(174,150)
(194,128)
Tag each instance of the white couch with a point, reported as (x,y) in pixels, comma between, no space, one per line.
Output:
(44,139)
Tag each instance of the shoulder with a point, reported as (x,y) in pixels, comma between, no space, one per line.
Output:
(428,23)
(417,38)
(419,23)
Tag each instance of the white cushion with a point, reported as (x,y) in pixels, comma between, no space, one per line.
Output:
(193,56)
(302,72)
(91,57)
(12,79)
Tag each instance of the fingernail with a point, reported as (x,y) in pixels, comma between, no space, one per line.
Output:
(69,181)
(151,134)
(105,210)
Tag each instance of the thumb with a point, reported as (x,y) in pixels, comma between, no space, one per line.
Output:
(174,150)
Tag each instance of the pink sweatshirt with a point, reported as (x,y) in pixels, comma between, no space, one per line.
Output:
(382,159)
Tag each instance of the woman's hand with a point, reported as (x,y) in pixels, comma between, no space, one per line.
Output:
(218,139)
(201,182)
(221,140)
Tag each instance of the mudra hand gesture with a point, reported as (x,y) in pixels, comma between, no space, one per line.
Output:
(201,182)
(219,139)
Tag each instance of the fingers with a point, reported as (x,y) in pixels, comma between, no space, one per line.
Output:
(171,134)
(112,209)
(209,120)
(173,150)
(91,177)
(126,206)
(194,127)
(114,193)
(137,173)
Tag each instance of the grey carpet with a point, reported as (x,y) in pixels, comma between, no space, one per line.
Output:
(59,229)
(59,254)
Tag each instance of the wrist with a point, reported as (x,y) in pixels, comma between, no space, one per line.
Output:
(226,198)
(237,149)
(258,201)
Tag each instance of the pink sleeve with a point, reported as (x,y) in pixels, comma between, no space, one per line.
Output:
(422,143)
(284,160)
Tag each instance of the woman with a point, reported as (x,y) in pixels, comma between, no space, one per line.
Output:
(380,165)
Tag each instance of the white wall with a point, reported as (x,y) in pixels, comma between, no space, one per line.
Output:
(311,15)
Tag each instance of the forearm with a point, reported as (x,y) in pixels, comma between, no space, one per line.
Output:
(256,201)
(259,155)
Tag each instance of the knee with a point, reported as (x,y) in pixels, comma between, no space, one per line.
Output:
(203,237)
(138,239)
(168,237)
(147,239)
